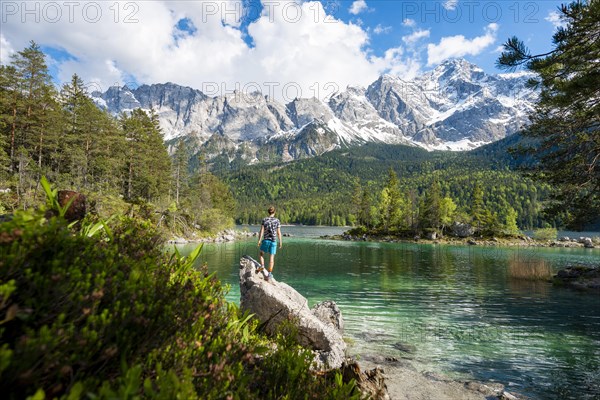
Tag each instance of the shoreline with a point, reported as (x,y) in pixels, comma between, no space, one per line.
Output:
(524,241)
(225,236)
(406,379)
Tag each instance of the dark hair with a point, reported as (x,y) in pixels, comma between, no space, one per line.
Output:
(271,210)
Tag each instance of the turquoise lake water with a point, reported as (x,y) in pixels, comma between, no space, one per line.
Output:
(456,307)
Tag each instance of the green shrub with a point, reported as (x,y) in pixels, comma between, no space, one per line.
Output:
(358,231)
(106,313)
(545,234)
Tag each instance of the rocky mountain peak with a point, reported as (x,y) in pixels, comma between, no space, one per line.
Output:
(455,106)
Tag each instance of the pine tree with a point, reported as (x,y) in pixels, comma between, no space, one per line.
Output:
(391,205)
(447,212)
(7,95)
(11,103)
(148,165)
(365,213)
(478,210)
(432,212)
(91,140)
(510,222)
(38,103)
(180,169)
(566,120)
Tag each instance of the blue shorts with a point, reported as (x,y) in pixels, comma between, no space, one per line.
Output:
(269,246)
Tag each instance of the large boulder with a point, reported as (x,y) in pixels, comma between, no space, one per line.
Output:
(587,242)
(276,302)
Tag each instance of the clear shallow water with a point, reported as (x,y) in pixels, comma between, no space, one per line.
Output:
(456,306)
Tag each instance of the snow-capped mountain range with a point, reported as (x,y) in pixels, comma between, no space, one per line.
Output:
(456,106)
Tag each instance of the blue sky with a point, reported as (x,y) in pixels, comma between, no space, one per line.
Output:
(283,47)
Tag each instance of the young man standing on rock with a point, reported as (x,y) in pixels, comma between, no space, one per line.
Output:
(267,241)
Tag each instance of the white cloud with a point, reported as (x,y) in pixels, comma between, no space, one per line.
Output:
(554,18)
(450,4)
(294,45)
(459,46)
(396,62)
(380,29)
(357,7)
(409,22)
(416,36)
(6,50)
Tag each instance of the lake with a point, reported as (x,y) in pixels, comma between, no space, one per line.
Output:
(455,308)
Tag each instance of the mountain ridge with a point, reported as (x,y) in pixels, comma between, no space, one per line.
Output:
(455,106)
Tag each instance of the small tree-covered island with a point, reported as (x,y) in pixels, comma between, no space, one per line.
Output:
(129,262)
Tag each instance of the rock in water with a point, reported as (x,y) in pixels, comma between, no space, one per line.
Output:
(276,302)
(329,313)
(578,277)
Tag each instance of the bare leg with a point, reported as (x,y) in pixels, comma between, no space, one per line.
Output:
(271,262)
(262,258)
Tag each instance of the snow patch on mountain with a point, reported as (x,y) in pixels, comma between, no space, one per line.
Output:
(456,106)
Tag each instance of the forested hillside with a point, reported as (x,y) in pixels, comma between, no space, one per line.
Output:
(330,189)
(122,163)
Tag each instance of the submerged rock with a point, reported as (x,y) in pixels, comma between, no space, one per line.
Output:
(405,348)
(579,277)
(276,302)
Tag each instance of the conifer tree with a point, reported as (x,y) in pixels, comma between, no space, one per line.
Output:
(90,139)
(510,222)
(478,211)
(391,203)
(432,212)
(38,103)
(566,122)
(447,212)
(180,169)
(7,95)
(148,164)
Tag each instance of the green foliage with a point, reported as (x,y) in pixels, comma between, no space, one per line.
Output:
(52,198)
(148,164)
(447,211)
(111,315)
(120,164)
(431,213)
(180,169)
(91,154)
(294,364)
(565,125)
(545,234)
(510,222)
(347,185)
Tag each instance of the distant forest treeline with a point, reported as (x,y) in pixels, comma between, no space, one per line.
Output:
(333,188)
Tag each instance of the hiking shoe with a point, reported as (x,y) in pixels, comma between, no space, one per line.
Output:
(259,269)
(269,277)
